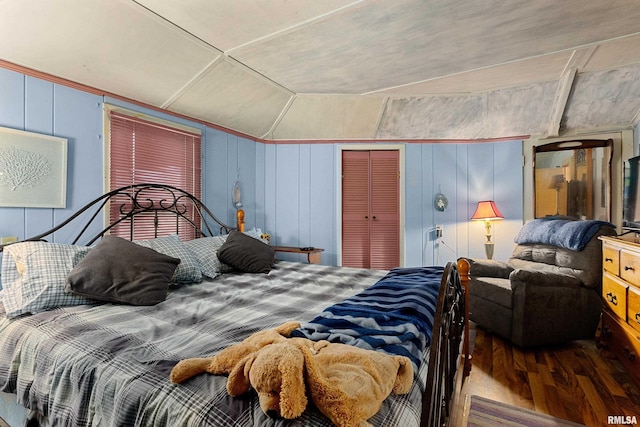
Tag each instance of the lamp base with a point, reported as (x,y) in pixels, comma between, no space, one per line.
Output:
(488,250)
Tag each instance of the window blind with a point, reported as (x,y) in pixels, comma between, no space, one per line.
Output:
(146,152)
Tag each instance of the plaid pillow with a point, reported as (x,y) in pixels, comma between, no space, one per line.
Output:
(34,276)
(188,270)
(206,250)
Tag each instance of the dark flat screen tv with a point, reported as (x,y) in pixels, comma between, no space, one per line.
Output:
(631,195)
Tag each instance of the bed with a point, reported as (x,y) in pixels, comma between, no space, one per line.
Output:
(106,362)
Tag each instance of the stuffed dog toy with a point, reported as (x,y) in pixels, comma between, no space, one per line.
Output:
(224,362)
(347,384)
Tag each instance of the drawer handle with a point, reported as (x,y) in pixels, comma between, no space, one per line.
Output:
(612,298)
(626,268)
(608,259)
(638,318)
(631,355)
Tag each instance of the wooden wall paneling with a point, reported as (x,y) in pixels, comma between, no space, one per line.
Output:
(241,165)
(428,189)
(481,187)
(38,95)
(12,102)
(323,201)
(12,105)
(508,187)
(462,209)
(233,162)
(215,174)
(77,116)
(304,191)
(260,197)
(269,186)
(444,162)
(287,195)
(247,162)
(416,230)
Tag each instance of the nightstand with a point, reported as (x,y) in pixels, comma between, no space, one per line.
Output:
(313,254)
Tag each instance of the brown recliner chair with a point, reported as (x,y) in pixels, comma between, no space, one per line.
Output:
(549,291)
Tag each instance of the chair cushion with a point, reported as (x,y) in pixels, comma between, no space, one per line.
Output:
(586,264)
(493,289)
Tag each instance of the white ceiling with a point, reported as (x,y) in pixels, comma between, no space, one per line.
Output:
(348,70)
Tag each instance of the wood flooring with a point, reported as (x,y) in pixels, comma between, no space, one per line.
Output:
(576,382)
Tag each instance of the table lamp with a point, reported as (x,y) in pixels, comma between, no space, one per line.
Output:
(487,211)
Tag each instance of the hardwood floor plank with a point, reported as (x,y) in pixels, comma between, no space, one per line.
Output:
(558,406)
(538,392)
(575,382)
(594,410)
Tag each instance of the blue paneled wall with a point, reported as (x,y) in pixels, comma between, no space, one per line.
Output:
(288,190)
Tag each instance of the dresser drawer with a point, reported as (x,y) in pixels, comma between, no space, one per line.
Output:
(614,293)
(633,307)
(611,259)
(630,267)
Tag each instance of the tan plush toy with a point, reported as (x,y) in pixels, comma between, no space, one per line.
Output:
(224,362)
(347,384)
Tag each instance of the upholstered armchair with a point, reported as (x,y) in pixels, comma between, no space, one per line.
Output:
(548,292)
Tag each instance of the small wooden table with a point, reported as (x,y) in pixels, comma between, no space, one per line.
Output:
(313,254)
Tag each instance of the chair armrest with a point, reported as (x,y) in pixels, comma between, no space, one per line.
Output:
(488,268)
(526,277)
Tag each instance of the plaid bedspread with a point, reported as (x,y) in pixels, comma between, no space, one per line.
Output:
(108,365)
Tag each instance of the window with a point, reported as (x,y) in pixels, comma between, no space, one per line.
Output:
(146,152)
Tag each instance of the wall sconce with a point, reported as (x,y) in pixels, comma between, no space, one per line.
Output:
(487,211)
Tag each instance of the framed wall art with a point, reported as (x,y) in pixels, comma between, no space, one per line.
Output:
(33,169)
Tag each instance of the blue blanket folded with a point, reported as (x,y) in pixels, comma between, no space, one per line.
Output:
(395,315)
(568,234)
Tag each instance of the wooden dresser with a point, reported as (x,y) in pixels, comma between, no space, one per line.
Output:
(620,332)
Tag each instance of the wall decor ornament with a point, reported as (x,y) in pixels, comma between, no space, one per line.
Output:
(33,169)
(440,202)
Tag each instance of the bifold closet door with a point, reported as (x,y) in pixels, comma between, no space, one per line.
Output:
(371,209)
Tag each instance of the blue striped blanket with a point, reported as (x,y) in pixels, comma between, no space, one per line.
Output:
(395,315)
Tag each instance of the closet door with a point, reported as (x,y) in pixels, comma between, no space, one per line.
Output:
(384,210)
(371,209)
(355,208)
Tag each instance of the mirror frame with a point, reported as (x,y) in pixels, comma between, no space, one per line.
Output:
(576,145)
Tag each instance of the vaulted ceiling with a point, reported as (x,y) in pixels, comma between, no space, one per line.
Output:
(283,70)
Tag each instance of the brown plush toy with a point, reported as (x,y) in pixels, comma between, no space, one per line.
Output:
(347,384)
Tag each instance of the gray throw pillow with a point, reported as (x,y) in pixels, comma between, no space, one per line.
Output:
(246,254)
(117,270)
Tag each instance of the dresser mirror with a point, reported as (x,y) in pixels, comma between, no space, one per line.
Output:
(573,179)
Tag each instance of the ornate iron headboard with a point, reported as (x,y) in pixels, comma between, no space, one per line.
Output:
(163,205)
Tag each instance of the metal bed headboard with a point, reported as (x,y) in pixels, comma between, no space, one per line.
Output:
(449,359)
(162,204)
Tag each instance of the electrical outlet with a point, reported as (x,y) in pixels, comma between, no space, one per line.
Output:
(8,239)
(439,231)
